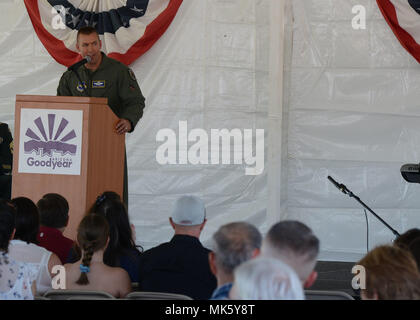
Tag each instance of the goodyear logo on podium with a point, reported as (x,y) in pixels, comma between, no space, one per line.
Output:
(50,141)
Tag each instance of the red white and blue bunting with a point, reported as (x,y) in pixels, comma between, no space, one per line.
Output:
(403,16)
(128,28)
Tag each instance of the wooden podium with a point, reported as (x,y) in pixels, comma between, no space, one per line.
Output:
(54,134)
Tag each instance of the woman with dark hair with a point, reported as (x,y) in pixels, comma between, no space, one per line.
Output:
(122,250)
(17,279)
(24,246)
(403,240)
(90,272)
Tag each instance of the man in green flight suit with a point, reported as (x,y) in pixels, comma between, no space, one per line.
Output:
(6,160)
(105,77)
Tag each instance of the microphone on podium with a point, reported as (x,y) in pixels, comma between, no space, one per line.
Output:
(76,66)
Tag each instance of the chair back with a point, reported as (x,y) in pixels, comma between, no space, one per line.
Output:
(61,294)
(327,295)
(144,295)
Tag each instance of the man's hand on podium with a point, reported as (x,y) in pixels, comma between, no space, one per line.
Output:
(123,126)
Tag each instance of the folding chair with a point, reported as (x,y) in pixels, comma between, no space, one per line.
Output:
(62,294)
(142,295)
(135,286)
(327,295)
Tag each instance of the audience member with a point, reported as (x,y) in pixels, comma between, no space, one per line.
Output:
(6,161)
(266,279)
(23,247)
(403,241)
(233,244)
(295,244)
(17,279)
(181,265)
(414,248)
(410,240)
(122,250)
(90,272)
(391,274)
(54,217)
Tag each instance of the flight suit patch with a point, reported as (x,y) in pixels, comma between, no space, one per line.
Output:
(98,84)
(81,87)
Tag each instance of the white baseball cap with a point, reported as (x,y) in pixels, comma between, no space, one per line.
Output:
(189,211)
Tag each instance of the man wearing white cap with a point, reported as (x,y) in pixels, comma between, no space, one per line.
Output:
(181,265)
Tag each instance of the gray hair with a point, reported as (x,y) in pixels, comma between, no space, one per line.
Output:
(266,279)
(235,243)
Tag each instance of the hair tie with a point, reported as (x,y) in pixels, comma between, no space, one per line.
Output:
(84,269)
(100,199)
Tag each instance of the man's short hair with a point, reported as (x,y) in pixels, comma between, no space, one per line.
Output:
(234,243)
(53,210)
(294,243)
(87,30)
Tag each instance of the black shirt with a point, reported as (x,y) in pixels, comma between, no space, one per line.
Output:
(179,266)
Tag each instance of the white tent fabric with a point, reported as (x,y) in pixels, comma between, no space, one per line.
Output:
(353,114)
(332,101)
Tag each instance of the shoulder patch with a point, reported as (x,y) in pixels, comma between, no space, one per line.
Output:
(132,75)
(81,86)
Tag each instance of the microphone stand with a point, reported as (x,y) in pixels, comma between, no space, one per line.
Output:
(346,191)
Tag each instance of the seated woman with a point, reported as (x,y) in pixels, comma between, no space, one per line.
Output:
(122,250)
(390,274)
(17,279)
(90,272)
(24,246)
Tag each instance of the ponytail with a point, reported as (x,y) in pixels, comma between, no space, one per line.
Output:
(92,235)
(85,266)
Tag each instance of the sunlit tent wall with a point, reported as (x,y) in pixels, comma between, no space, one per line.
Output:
(332,101)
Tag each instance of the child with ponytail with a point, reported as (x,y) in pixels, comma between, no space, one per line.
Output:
(90,272)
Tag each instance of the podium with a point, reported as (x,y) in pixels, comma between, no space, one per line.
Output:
(66,145)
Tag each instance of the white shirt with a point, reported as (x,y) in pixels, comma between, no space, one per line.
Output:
(35,255)
(16,279)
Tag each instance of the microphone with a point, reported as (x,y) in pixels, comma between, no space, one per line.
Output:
(76,66)
(339,186)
